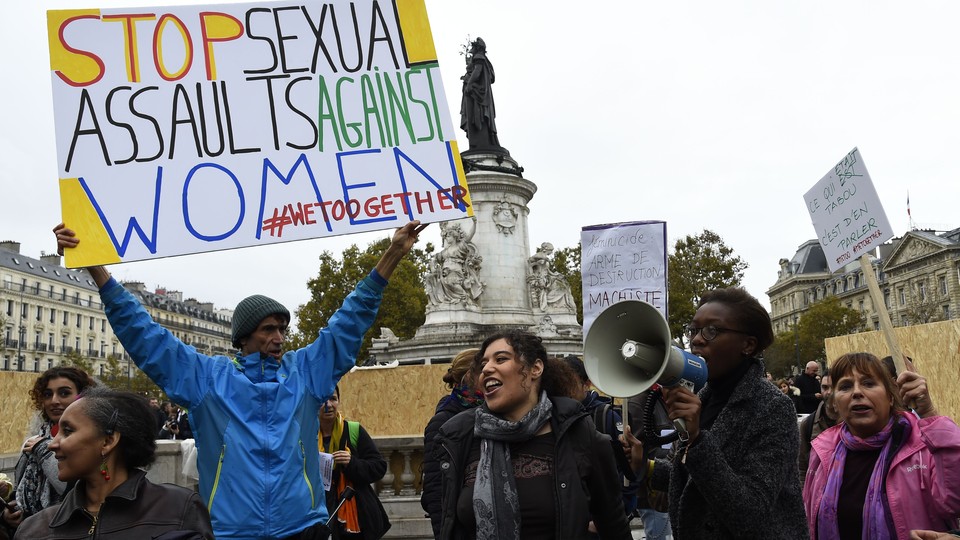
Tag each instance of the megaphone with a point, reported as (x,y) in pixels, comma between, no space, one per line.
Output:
(628,348)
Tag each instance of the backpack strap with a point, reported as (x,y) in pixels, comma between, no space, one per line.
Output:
(601,418)
(354,429)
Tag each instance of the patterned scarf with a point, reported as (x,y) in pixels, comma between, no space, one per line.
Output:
(875,507)
(34,490)
(467,396)
(496,504)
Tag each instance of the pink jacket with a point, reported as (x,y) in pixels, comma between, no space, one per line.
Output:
(923,482)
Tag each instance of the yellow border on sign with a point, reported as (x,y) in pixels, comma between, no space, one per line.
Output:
(78,214)
(415,27)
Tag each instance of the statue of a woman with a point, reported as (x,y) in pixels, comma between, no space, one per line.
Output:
(454,273)
(548,288)
(477,112)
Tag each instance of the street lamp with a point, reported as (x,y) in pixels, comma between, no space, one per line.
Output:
(796,342)
(21,330)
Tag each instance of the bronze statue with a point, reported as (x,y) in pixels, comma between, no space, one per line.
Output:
(477,112)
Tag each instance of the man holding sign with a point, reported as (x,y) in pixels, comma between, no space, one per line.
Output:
(254,415)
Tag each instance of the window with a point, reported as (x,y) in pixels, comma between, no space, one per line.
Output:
(903,299)
(63,344)
(53,315)
(861,306)
(943,285)
(78,320)
(103,325)
(76,344)
(91,323)
(50,341)
(886,298)
(36,365)
(66,317)
(24,308)
(922,290)
(10,308)
(39,313)
(946,312)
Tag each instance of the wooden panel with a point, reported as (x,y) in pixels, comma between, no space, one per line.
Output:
(17,409)
(393,401)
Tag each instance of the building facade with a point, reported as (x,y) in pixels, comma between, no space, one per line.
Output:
(919,277)
(49,313)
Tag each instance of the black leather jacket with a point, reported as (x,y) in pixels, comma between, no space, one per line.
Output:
(136,509)
(586,474)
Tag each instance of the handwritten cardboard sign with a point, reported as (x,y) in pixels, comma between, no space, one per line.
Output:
(846,212)
(199,128)
(623,261)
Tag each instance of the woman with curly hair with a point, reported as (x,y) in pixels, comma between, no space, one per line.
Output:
(528,463)
(36,473)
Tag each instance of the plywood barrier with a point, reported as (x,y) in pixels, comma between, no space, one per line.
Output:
(934,348)
(388,402)
(395,401)
(17,408)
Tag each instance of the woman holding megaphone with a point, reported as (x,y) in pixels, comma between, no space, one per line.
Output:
(735,475)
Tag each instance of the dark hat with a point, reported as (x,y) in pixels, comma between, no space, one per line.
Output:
(250,311)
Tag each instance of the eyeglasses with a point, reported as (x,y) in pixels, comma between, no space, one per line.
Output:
(709,332)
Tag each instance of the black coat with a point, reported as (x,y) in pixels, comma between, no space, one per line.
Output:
(366,467)
(586,480)
(137,508)
(448,407)
(809,388)
(740,478)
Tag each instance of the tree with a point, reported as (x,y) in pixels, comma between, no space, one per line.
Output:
(825,319)
(567,262)
(76,359)
(922,307)
(403,308)
(698,264)
(780,357)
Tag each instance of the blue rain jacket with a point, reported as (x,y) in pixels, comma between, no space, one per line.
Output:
(254,420)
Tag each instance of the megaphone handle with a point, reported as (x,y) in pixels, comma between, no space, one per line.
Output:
(681,427)
(626,407)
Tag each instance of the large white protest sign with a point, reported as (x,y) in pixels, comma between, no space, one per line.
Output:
(846,212)
(623,261)
(199,128)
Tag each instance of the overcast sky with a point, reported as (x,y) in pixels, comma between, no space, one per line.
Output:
(705,114)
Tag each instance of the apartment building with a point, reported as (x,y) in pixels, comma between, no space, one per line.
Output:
(48,312)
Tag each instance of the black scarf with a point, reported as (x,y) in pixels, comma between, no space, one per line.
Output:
(720,391)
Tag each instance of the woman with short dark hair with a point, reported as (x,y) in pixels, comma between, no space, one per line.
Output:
(104,441)
(736,475)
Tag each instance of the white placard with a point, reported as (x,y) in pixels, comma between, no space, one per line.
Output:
(623,261)
(846,212)
(186,129)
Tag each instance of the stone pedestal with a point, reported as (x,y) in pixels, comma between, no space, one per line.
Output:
(460,316)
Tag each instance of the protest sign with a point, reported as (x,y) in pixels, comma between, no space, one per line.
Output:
(623,261)
(850,222)
(846,212)
(199,128)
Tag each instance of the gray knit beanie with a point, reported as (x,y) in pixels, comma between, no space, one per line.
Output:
(250,311)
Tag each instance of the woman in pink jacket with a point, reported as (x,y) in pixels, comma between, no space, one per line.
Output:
(883,471)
